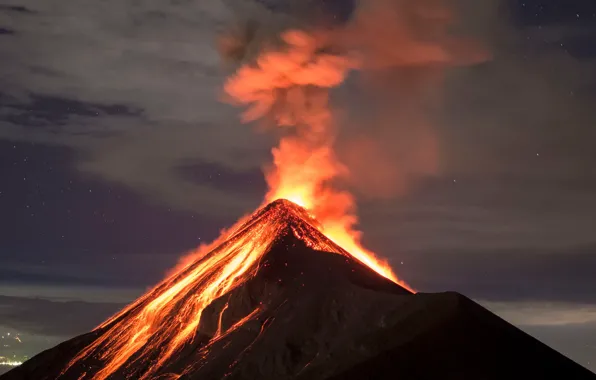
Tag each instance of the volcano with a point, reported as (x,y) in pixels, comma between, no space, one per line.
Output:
(279,300)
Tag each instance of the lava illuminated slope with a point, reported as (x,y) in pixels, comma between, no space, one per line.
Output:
(279,300)
(141,341)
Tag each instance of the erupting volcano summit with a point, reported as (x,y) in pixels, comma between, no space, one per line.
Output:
(279,300)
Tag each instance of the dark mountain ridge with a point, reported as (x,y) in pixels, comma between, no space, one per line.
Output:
(308,310)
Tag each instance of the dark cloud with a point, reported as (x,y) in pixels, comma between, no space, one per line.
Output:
(239,183)
(324,11)
(510,237)
(582,46)
(51,211)
(537,12)
(562,275)
(50,111)
(44,317)
(15,8)
(530,101)
(575,341)
(172,76)
(5,31)
(26,275)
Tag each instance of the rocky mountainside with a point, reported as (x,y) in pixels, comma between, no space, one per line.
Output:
(305,309)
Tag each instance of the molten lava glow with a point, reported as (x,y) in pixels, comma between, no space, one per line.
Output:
(157,325)
(291,87)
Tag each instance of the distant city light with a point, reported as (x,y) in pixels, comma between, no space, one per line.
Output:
(11,363)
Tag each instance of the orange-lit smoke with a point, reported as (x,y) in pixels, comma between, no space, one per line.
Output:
(290,85)
(403,48)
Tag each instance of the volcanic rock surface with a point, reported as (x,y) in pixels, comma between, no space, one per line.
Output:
(306,313)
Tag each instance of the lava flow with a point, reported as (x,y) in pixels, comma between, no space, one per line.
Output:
(158,324)
(289,85)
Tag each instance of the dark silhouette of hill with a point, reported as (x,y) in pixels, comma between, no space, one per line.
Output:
(308,310)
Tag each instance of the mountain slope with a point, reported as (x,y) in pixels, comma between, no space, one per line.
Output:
(298,311)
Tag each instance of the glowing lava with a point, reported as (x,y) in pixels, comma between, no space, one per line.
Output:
(291,85)
(157,325)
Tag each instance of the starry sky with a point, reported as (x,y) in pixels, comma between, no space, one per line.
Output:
(117,156)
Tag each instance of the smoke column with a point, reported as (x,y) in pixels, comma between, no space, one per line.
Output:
(287,69)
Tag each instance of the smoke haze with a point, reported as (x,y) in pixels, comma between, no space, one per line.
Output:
(402,50)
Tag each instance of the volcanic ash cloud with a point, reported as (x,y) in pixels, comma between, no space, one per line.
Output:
(286,67)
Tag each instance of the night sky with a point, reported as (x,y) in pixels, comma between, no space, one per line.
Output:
(116,157)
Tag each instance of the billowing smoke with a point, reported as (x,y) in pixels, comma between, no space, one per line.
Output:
(289,85)
(287,67)
(402,50)
(406,48)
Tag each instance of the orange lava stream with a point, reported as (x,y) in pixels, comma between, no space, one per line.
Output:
(158,324)
(175,306)
(292,87)
(337,222)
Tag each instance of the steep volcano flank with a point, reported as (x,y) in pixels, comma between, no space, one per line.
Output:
(290,309)
(267,225)
(188,312)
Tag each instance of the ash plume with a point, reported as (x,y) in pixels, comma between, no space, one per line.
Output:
(285,69)
(406,49)
(399,51)
(289,85)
